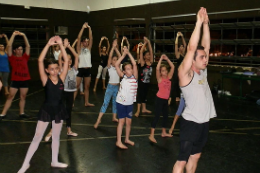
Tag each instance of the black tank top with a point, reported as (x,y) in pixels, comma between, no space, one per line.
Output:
(179,61)
(53,93)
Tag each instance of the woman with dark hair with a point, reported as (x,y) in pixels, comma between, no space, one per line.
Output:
(179,54)
(144,76)
(20,72)
(52,109)
(102,68)
(4,64)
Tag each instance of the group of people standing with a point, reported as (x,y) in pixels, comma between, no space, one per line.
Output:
(128,82)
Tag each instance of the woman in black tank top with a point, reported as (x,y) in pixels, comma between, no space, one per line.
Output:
(179,54)
(102,68)
(52,109)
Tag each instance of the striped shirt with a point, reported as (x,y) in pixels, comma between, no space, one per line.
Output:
(127,91)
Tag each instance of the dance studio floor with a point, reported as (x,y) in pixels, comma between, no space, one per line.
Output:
(233,145)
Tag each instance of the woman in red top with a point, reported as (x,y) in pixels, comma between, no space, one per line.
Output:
(20,72)
(161,102)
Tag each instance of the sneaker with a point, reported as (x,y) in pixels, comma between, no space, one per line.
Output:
(59,165)
(2,116)
(24,116)
(47,137)
(72,134)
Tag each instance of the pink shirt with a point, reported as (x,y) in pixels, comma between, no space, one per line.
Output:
(164,88)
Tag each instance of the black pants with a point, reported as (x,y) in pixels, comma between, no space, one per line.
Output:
(175,89)
(142,91)
(161,107)
(68,98)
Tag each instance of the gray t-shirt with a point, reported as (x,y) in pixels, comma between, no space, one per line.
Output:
(70,84)
(198,98)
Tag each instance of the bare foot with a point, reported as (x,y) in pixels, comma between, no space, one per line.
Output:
(96,124)
(94,89)
(82,93)
(165,135)
(115,120)
(121,145)
(129,142)
(146,111)
(89,105)
(137,114)
(152,139)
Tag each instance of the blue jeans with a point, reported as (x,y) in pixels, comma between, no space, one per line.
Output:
(111,91)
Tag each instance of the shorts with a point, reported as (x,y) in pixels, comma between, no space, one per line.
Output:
(84,72)
(124,111)
(193,137)
(19,84)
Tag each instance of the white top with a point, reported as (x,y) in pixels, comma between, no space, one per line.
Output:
(127,91)
(198,99)
(113,76)
(70,83)
(85,58)
(56,55)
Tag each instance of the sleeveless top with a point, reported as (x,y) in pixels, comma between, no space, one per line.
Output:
(70,83)
(113,76)
(85,58)
(56,55)
(104,59)
(179,61)
(127,91)
(145,73)
(52,108)
(4,64)
(164,88)
(198,98)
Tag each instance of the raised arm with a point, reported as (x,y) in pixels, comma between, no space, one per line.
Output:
(170,74)
(99,45)
(118,62)
(177,54)
(122,44)
(185,67)
(6,40)
(138,52)
(65,57)
(10,43)
(73,45)
(135,71)
(184,43)
(141,55)
(205,42)
(158,67)
(150,49)
(42,73)
(76,56)
(60,60)
(90,36)
(27,45)
(108,45)
(111,53)
(85,25)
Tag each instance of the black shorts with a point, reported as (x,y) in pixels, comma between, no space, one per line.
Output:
(193,137)
(84,72)
(19,84)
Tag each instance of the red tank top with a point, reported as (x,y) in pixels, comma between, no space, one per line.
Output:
(164,88)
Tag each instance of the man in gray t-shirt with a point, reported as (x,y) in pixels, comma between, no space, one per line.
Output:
(199,108)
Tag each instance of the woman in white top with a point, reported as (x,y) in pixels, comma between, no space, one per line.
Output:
(126,97)
(56,51)
(84,50)
(112,87)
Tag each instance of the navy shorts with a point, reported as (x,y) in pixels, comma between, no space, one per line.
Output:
(124,111)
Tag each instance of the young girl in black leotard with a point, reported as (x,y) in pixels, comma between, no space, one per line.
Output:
(52,109)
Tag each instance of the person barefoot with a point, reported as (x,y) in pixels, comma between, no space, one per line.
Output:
(161,102)
(144,76)
(126,96)
(112,87)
